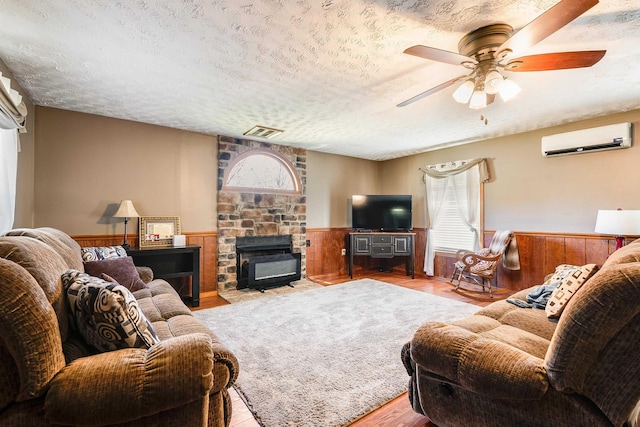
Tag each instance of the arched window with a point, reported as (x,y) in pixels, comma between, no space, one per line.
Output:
(259,170)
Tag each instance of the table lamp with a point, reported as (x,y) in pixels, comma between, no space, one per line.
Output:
(620,223)
(126,211)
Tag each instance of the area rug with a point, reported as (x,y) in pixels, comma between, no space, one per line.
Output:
(326,356)
(234,296)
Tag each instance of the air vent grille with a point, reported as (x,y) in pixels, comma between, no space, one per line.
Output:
(263,132)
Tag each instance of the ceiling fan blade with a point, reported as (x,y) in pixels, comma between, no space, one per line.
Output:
(546,24)
(431,91)
(555,61)
(439,55)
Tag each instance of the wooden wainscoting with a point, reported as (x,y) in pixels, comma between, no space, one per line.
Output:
(324,251)
(208,242)
(540,253)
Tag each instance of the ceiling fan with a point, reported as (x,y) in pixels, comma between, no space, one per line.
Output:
(486,50)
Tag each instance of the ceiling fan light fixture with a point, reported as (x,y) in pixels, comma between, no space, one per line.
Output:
(508,90)
(478,99)
(492,82)
(464,91)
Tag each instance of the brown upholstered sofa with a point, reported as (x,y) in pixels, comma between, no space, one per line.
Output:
(510,366)
(49,377)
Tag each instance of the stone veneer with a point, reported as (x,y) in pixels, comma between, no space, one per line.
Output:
(257,214)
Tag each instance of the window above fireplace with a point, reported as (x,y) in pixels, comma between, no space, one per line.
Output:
(259,170)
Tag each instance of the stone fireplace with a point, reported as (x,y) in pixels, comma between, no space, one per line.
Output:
(246,214)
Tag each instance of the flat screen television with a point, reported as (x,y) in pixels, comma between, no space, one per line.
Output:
(381,212)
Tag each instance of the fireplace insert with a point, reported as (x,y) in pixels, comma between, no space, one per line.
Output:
(266,261)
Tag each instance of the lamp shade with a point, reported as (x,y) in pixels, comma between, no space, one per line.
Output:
(464,91)
(508,90)
(618,222)
(126,210)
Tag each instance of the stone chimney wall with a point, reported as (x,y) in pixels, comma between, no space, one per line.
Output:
(257,213)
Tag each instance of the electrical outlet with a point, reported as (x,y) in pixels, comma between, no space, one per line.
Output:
(344,252)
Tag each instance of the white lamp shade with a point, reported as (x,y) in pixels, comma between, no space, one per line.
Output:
(493,82)
(478,100)
(464,91)
(126,210)
(618,222)
(508,90)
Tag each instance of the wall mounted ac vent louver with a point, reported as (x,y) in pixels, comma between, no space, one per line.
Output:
(609,137)
(263,132)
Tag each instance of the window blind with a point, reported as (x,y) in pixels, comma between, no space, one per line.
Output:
(451,233)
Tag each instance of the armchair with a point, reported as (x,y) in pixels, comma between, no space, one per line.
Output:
(507,366)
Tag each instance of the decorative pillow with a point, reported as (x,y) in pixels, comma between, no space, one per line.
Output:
(121,269)
(106,314)
(483,265)
(570,279)
(98,253)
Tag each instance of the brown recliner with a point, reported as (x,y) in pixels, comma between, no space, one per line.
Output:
(48,376)
(508,366)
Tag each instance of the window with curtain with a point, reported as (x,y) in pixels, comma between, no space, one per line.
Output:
(453,206)
(452,232)
(13,113)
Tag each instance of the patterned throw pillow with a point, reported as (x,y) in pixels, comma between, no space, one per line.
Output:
(483,265)
(98,253)
(106,314)
(570,278)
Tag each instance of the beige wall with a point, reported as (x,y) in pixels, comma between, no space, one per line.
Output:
(331,181)
(529,192)
(85,164)
(26,158)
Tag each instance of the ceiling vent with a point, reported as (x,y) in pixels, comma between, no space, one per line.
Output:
(263,132)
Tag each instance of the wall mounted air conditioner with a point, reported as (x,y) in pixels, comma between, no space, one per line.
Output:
(588,140)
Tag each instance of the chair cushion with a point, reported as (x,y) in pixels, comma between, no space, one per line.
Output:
(121,269)
(106,314)
(483,265)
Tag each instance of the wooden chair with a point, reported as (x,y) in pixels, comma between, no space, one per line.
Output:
(479,268)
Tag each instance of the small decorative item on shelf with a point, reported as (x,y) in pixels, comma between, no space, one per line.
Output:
(158,231)
(179,240)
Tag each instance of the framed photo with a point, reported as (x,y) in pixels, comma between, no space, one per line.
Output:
(158,231)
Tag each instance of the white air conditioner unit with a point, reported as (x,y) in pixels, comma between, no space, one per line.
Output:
(587,140)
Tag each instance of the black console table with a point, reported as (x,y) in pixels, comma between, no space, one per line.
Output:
(167,263)
(382,245)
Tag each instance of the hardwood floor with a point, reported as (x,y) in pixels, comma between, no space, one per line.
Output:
(398,412)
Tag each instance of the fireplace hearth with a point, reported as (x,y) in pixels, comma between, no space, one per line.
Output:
(266,261)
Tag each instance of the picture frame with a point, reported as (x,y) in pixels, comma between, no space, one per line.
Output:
(158,231)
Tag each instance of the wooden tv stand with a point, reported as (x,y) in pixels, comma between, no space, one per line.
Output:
(382,245)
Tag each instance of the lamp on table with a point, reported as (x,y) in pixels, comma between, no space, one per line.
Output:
(619,223)
(126,211)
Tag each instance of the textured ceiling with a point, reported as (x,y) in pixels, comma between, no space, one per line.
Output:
(329,73)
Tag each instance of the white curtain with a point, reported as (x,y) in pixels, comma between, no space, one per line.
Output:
(13,113)
(8,175)
(435,189)
(437,179)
